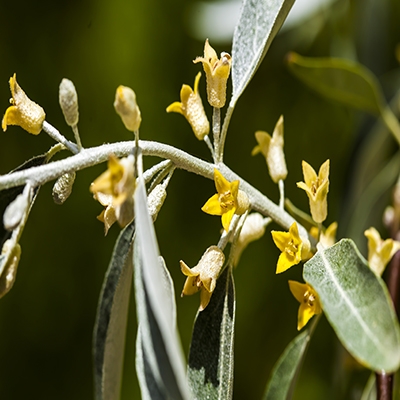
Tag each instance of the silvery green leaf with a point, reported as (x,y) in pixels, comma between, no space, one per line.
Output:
(341,80)
(357,305)
(286,370)
(112,314)
(156,308)
(259,22)
(211,360)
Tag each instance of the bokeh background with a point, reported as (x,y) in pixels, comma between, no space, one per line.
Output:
(46,321)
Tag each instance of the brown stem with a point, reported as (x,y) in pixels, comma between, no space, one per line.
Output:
(384,386)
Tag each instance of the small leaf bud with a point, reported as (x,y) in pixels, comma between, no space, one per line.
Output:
(155,200)
(68,99)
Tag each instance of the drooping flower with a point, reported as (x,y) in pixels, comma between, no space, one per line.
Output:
(272,150)
(204,275)
(317,188)
(228,201)
(327,238)
(191,107)
(126,106)
(290,244)
(309,302)
(23,111)
(380,252)
(217,74)
(114,189)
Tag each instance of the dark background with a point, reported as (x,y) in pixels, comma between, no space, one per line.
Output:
(46,320)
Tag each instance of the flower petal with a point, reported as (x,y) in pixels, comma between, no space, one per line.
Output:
(227,218)
(213,206)
(205,297)
(176,107)
(285,261)
(280,239)
(298,290)
(324,171)
(305,313)
(308,173)
(221,184)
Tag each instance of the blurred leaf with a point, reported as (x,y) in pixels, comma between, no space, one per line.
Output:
(357,305)
(112,313)
(369,392)
(341,80)
(210,368)
(162,354)
(286,370)
(259,22)
(299,215)
(8,195)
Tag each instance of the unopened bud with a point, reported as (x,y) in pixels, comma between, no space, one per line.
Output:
(63,187)
(253,229)
(127,108)
(15,211)
(155,200)
(69,102)
(7,278)
(243,203)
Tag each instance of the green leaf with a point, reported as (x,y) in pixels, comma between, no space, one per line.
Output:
(341,80)
(369,392)
(357,305)
(155,304)
(284,375)
(112,314)
(210,368)
(259,22)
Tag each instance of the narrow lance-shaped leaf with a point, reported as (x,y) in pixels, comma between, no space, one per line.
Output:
(210,368)
(112,313)
(259,22)
(357,305)
(159,336)
(286,370)
(341,80)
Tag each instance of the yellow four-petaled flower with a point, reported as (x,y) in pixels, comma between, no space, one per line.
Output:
(228,201)
(309,302)
(317,188)
(290,244)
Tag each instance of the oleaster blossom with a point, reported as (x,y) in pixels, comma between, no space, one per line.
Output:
(228,201)
(217,74)
(204,275)
(23,111)
(309,302)
(327,238)
(127,108)
(380,252)
(114,189)
(191,107)
(317,188)
(272,150)
(290,244)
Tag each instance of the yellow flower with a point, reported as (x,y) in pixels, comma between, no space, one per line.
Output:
(191,107)
(217,73)
(228,201)
(272,150)
(114,189)
(127,108)
(204,275)
(317,188)
(327,238)
(23,112)
(309,302)
(380,252)
(290,244)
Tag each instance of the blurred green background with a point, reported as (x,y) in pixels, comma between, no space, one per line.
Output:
(46,321)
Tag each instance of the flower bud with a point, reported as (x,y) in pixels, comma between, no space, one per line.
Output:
(68,99)
(127,108)
(155,200)
(15,211)
(63,187)
(243,203)
(9,274)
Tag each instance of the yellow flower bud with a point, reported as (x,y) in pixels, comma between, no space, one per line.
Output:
(127,108)
(191,107)
(204,275)
(217,74)
(23,112)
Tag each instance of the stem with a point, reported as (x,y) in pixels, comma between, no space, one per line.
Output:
(210,146)
(384,386)
(216,128)
(77,137)
(227,119)
(56,135)
(281,193)
(96,155)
